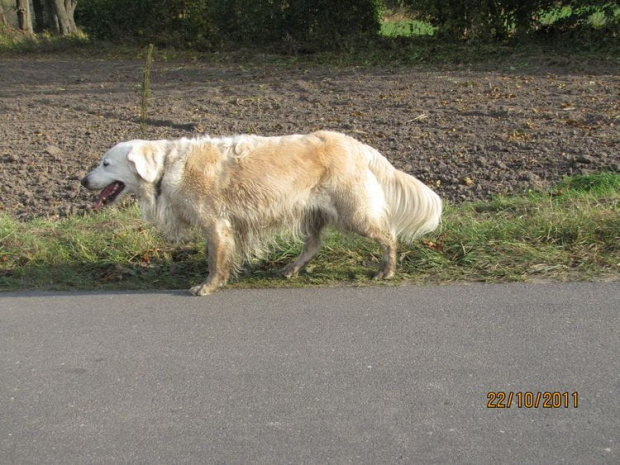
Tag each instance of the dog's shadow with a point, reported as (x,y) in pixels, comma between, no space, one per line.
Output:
(174,273)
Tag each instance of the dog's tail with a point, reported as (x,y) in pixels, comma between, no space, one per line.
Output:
(415,209)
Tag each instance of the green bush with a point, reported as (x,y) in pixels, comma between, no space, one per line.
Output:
(332,23)
(162,22)
(504,19)
(479,19)
(582,17)
(208,23)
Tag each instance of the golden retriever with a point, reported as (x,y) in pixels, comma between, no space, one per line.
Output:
(239,189)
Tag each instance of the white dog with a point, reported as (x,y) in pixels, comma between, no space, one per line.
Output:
(239,189)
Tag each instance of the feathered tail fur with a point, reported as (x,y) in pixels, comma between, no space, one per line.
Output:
(415,209)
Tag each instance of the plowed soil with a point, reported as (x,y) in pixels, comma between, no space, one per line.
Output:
(470,133)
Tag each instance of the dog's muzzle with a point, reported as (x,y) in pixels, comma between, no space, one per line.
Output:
(84,182)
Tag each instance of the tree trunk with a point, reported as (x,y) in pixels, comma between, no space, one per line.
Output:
(63,11)
(23,15)
(39,17)
(2,17)
(70,8)
(51,21)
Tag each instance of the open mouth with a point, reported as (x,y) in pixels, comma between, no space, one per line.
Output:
(109,194)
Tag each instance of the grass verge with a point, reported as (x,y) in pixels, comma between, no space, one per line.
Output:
(13,41)
(569,233)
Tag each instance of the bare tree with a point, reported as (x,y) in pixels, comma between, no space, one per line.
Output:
(64,10)
(24,18)
(39,15)
(53,15)
(2,17)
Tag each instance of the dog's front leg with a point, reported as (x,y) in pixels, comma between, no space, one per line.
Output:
(220,250)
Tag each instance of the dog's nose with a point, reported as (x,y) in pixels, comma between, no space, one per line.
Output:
(84,181)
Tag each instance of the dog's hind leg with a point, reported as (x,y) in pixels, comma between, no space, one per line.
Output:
(389,256)
(311,248)
(365,214)
(384,237)
(314,223)
(221,251)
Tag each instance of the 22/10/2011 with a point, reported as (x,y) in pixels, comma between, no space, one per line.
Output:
(528,399)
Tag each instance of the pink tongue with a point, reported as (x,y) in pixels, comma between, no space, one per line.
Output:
(105,193)
(98,204)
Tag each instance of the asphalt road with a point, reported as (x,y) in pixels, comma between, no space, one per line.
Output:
(314,376)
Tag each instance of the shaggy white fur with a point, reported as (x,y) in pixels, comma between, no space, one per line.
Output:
(238,190)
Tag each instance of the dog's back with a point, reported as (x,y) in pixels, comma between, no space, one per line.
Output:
(277,181)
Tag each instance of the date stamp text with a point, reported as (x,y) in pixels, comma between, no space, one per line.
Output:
(528,399)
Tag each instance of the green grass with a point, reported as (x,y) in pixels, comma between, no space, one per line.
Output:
(406,28)
(399,25)
(596,19)
(13,41)
(569,233)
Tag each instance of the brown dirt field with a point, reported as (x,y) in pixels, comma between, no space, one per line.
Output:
(470,132)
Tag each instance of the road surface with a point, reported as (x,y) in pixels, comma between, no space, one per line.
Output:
(332,375)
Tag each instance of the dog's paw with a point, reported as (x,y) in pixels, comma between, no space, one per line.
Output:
(289,271)
(201,289)
(384,274)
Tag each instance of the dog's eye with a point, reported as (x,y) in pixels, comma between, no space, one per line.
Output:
(106,163)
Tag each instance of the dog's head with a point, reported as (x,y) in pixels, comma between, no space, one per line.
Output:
(124,168)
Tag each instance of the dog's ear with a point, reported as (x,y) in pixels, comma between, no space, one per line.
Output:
(148,161)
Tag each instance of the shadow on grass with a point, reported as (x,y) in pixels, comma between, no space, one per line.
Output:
(426,264)
(165,276)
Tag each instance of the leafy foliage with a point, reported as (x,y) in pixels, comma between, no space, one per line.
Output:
(503,19)
(162,22)
(210,23)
